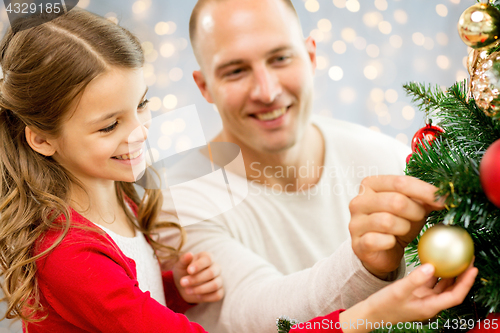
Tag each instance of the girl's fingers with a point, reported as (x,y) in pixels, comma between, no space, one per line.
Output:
(212,297)
(454,294)
(184,261)
(201,261)
(418,278)
(206,288)
(202,277)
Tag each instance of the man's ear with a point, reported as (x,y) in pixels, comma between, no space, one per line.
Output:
(39,143)
(311,50)
(199,78)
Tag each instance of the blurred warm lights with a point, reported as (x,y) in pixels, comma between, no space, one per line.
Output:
(148,69)
(418,38)
(175,74)
(455,1)
(339,3)
(385,27)
(359,43)
(339,47)
(151,55)
(170,101)
(162,28)
(370,72)
(167,50)
(372,19)
(154,103)
(374,128)
(324,25)
(381,4)
(441,10)
(168,128)
(347,95)
(317,34)
(140,6)
(391,95)
(352,5)
(312,6)
(372,50)
(172,27)
(83,3)
(400,16)
(377,95)
(348,34)
(443,62)
(321,62)
(408,112)
(336,73)
(180,125)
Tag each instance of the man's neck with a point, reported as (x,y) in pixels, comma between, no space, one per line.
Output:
(293,169)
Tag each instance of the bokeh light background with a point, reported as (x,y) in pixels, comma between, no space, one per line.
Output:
(366,50)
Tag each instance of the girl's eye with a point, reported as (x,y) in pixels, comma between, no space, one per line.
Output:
(143,104)
(109,128)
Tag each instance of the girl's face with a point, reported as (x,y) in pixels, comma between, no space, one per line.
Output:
(103,138)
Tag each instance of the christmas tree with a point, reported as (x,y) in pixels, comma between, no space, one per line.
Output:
(461,157)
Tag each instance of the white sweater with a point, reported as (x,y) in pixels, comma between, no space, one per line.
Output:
(290,253)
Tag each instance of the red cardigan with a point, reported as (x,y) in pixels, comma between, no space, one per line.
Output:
(87,284)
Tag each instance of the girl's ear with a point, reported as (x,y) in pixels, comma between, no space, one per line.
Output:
(39,142)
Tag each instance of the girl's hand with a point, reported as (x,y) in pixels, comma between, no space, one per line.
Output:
(198,278)
(415,298)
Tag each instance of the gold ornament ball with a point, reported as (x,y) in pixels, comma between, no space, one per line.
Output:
(449,249)
(478,25)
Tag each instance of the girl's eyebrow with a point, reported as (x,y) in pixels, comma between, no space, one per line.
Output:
(111,115)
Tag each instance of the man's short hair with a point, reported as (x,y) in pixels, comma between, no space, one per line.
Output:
(193,21)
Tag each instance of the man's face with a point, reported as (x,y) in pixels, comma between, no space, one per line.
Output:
(257,69)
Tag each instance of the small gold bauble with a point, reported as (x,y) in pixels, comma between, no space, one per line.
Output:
(449,249)
(478,25)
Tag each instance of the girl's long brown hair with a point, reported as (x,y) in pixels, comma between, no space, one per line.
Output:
(46,67)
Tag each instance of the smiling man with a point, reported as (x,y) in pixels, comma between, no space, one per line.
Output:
(297,245)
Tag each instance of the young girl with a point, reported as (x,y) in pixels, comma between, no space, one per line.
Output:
(73,122)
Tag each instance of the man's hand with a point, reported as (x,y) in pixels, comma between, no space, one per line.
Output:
(386,216)
(198,278)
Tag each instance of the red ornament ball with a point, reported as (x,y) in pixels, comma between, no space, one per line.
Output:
(428,133)
(489,173)
(408,158)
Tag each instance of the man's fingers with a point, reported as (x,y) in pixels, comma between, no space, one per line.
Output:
(382,222)
(391,202)
(409,186)
(212,297)
(375,242)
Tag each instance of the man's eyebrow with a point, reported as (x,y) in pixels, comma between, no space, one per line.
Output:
(112,114)
(240,61)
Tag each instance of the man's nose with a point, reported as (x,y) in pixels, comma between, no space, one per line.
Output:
(266,86)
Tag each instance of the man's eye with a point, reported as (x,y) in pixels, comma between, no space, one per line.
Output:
(143,104)
(234,72)
(109,128)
